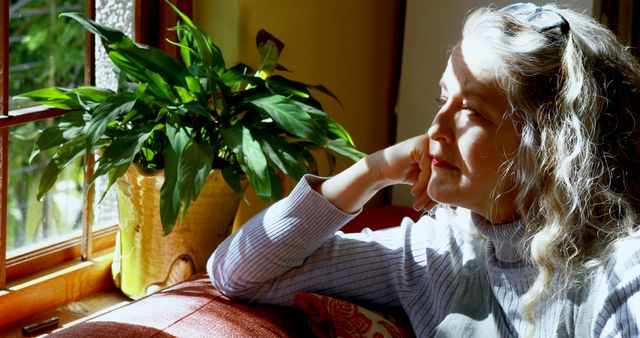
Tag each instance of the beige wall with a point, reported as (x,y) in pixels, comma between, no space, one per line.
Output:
(431,29)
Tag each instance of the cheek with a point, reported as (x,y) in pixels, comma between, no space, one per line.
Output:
(479,155)
(484,158)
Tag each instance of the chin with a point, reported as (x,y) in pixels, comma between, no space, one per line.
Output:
(443,196)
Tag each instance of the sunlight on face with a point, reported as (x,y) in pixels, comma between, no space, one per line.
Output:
(470,139)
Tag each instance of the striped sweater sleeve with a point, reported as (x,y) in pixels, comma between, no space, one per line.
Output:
(273,242)
(294,246)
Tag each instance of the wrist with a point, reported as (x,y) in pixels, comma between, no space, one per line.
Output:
(353,187)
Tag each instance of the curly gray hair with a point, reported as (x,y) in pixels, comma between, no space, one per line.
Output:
(573,91)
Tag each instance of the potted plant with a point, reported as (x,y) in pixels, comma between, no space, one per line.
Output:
(186,122)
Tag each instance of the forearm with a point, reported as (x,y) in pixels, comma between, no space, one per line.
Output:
(353,187)
(275,241)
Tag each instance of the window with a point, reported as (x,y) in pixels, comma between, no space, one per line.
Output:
(35,235)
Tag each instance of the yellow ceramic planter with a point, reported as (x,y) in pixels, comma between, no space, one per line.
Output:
(145,260)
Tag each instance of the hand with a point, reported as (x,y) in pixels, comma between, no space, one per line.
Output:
(407,162)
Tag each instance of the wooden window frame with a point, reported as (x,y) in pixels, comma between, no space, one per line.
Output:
(4,137)
(153,17)
(37,276)
(20,266)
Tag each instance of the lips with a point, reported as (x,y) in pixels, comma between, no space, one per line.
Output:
(440,163)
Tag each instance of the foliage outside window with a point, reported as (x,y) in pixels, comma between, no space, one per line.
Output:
(43,50)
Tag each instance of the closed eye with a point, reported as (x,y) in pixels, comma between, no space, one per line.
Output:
(472,113)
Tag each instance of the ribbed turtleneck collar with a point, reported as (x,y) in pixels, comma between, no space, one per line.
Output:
(502,238)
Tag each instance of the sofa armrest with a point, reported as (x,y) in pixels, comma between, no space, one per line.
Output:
(193,308)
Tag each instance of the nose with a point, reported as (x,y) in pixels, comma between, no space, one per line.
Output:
(440,129)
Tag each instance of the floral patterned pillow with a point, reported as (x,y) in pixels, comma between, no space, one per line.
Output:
(331,317)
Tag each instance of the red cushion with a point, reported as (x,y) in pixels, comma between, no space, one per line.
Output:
(333,317)
(380,218)
(192,309)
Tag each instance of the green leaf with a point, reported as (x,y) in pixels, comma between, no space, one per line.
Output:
(232,137)
(291,118)
(48,179)
(60,160)
(53,97)
(178,138)
(231,175)
(187,167)
(331,160)
(342,147)
(284,86)
(195,107)
(143,63)
(157,85)
(269,48)
(326,123)
(113,175)
(287,87)
(308,161)
(233,78)
(250,158)
(282,154)
(121,152)
(157,63)
(183,16)
(169,197)
(183,94)
(315,113)
(185,49)
(93,94)
(193,84)
(339,131)
(172,191)
(106,112)
(324,90)
(208,53)
(276,184)
(254,164)
(69,127)
(108,34)
(193,170)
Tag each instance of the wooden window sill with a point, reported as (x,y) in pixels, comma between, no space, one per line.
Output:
(28,298)
(72,313)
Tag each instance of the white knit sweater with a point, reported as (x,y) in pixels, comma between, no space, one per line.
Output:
(454,275)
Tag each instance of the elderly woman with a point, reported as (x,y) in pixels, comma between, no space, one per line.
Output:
(531,159)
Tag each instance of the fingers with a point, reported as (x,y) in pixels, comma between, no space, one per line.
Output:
(420,185)
(419,191)
(399,164)
(424,174)
(423,203)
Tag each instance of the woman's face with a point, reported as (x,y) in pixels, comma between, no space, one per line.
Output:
(470,139)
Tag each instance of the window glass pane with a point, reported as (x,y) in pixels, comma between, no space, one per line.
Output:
(32,223)
(119,15)
(44,50)
(105,213)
